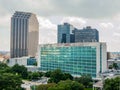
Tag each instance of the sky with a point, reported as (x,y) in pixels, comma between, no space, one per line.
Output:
(104,15)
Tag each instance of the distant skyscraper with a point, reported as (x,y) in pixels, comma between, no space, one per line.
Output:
(65,33)
(24,34)
(86,35)
(68,34)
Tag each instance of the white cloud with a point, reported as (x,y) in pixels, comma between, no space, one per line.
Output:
(5,21)
(75,21)
(106,25)
(82,8)
(4,43)
(45,23)
(116,17)
(116,34)
(47,31)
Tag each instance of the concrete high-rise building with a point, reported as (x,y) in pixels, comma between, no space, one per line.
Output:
(65,33)
(74,58)
(24,34)
(87,35)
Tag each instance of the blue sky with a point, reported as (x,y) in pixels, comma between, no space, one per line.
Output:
(103,15)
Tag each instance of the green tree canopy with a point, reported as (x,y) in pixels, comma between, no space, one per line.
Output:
(4,68)
(86,80)
(115,66)
(112,84)
(35,75)
(20,70)
(56,76)
(67,85)
(110,66)
(45,86)
(68,76)
(3,65)
(9,81)
(47,74)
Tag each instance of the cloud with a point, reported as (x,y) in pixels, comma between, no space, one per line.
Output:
(40,7)
(106,25)
(75,21)
(5,21)
(78,8)
(47,31)
(87,8)
(4,44)
(46,23)
(116,34)
(4,39)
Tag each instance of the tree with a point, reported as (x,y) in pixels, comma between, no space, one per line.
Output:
(112,84)
(10,81)
(41,74)
(47,74)
(35,75)
(110,66)
(56,76)
(29,75)
(86,80)
(45,86)
(21,70)
(35,63)
(68,76)
(4,68)
(67,85)
(115,66)
(3,65)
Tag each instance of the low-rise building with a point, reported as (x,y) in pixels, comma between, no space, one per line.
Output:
(29,62)
(112,61)
(113,55)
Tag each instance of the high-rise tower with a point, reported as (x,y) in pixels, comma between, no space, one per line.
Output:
(24,34)
(69,34)
(87,35)
(65,33)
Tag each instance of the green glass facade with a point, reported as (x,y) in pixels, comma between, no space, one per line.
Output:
(76,60)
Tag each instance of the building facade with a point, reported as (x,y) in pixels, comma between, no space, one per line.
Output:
(86,35)
(69,34)
(65,33)
(113,55)
(26,61)
(110,62)
(74,58)
(24,34)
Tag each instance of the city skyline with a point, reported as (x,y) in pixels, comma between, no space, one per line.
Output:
(102,15)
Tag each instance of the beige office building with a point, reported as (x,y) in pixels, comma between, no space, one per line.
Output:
(24,34)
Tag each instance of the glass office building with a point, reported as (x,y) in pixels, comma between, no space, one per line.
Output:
(73,58)
(87,35)
(31,61)
(65,33)
(69,34)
